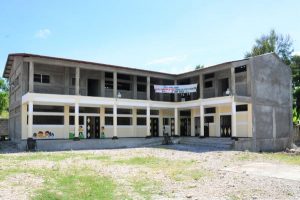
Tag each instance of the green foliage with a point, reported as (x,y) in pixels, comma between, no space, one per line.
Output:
(273,42)
(199,67)
(3,96)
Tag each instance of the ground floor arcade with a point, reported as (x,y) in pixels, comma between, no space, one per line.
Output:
(46,116)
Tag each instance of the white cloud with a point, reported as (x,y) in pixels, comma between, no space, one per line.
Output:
(167,60)
(43,33)
(296,53)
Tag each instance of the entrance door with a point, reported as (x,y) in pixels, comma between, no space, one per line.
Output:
(197,126)
(185,126)
(93,87)
(154,127)
(92,127)
(207,120)
(225,125)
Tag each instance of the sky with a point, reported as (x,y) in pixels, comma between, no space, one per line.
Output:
(170,36)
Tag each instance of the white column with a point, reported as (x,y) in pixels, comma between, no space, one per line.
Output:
(201,86)
(148,121)
(102,84)
(31,75)
(30,119)
(76,120)
(102,117)
(24,116)
(176,121)
(115,121)
(233,118)
(115,85)
(66,121)
(134,121)
(192,123)
(148,88)
(249,120)
(217,121)
(77,80)
(202,121)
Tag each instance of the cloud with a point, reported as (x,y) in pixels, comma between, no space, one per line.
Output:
(167,60)
(43,33)
(296,53)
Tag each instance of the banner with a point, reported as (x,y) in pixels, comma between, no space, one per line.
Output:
(177,89)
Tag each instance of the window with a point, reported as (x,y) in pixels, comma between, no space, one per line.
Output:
(124,111)
(240,69)
(141,79)
(108,111)
(42,108)
(123,86)
(241,108)
(40,78)
(154,112)
(73,81)
(165,121)
(209,76)
(48,120)
(208,84)
(210,110)
(209,119)
(123,76)
(141,121)
(109,121)
(109,84)
(108,75)
(141,112)
(124,121)
(141,88)
(72,120)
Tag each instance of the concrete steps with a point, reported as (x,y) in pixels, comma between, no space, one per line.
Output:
(218,143)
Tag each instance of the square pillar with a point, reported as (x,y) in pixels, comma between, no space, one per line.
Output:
(233,118)
(66,121)
(31,75)
(76,121)
(115,121)
(67,80)
(134,121)
(24,116)
(192,123)
(134,87)
(77,81)
(102,84)
(148,88)
(102,117)
(176,122)
(175,95)
(217,121)
(201,86)
(233,92)
(30,120)
(148,122)
(201,121)
(249,120)
(115,85)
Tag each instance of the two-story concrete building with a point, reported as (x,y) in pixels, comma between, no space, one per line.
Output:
(62,99)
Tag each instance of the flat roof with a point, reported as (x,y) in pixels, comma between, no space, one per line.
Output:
(9,63)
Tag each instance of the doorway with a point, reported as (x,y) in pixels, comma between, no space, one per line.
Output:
(154,127)
(92,127)
(223,86)
(207,121)
(93,87)
(225,126)
(197,126)
(185,126)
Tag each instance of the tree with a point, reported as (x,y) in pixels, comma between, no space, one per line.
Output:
(199,67)
(273,42)
(3,96)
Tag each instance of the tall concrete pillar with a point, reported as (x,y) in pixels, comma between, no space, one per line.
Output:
(134,121)
(192,123)
(250,120)
(31,75)
(161,95)
(24,121)
(233,118)
(233,91)
(175,95)
(102,83)
(134,86)
(115,121)
(76,121)
(201,86)
(66,121)
(176,121)
(201,121)
(148,122)
(115,85)
(30,119)
(148,88)
(67,80)
(102,116)
(217,119)
(77,81)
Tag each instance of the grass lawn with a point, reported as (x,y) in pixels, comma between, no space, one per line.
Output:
(77,175)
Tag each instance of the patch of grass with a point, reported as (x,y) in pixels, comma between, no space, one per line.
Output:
(149,161)
(283,157)
(77,186)
(146,188)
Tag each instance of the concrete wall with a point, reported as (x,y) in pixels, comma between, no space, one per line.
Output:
(271,89)
(3,127)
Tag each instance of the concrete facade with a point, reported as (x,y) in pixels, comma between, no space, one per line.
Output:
(247,100)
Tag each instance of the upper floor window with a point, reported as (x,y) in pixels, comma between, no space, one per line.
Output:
(41,78)
(240,69)
(208,84)
(209,76)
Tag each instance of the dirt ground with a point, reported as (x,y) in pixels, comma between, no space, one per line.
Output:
(176,172)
